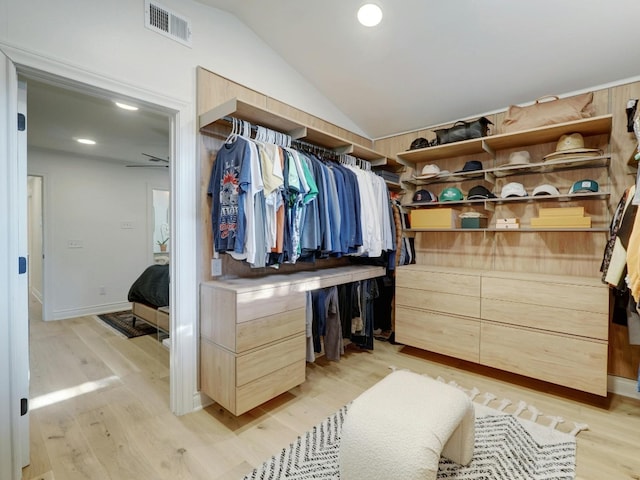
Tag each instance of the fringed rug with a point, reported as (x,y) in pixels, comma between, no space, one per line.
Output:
(123,323)
(521,445)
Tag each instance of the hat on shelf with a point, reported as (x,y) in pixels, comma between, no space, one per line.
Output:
(471,166)
(513,189)
(479,192)
(419,143)
(521,157)
(429,171)
(424,196)
(585,185)
(570,146)
(545,189)
(451,194)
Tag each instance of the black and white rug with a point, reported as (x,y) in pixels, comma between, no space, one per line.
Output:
(507,447)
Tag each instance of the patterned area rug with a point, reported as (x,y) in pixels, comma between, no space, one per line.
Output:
(507,446)
(123,323)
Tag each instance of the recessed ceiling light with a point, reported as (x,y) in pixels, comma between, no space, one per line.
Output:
(86,141)
(369,15)
(126,106)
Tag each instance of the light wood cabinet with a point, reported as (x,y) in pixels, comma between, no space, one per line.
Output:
(549,327)
(252,333)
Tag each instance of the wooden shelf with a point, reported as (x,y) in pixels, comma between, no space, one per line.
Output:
(498,201)
(507,230)
(298,131)
(589,126)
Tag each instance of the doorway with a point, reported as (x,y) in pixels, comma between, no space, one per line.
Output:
(35,235)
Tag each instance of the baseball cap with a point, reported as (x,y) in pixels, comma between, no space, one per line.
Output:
(424,196)
(471,166)
(479,191)
(585,185)
(451,194)
(545,189)
(513,189)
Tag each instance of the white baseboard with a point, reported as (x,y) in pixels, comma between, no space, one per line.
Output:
(91,310)
(623,386)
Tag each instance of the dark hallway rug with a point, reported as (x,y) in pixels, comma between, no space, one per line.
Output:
(123,323)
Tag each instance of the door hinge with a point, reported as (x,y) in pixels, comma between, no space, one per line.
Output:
(24,406)
(22,265)
(22,122)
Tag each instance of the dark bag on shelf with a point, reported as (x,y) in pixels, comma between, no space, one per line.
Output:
(463,131)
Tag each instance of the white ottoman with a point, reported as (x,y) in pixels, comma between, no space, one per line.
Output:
(398,429)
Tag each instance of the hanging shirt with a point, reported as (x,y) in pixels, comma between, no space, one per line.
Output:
(224,190)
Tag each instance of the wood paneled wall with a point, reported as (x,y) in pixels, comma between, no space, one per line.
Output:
(576,253)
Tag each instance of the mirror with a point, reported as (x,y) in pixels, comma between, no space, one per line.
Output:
(161,221)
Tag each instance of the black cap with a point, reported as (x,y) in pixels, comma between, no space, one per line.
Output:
(419,143)
(471,166)
(479,191)
(424,196)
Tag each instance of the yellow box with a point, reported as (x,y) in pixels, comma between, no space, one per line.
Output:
(561,211)
(561,221)
(434,218)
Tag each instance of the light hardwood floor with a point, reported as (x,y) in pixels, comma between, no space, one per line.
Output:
(116,423)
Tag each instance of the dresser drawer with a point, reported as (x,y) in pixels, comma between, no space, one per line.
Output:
(553,319)
(269,329)
(573,362)
(264,361)
(439,302)
(439,281)
(265,388)
(446,334)
(587,298)
(268,301)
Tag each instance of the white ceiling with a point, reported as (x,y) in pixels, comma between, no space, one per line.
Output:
(57,116)
(435,61)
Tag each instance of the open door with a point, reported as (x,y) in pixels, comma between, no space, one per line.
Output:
(14,322)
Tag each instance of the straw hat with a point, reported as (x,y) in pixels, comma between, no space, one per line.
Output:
(572,146)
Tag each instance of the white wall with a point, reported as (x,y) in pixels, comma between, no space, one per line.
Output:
(34,207)
(109,38)
(86,201)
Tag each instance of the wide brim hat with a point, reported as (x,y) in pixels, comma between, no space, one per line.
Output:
(428,171)
(571,146)
(523,157)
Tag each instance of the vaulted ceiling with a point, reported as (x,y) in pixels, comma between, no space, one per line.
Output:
(435,61)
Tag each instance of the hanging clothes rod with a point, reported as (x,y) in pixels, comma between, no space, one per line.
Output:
(364,164)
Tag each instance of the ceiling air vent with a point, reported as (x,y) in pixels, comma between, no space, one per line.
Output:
(166,22)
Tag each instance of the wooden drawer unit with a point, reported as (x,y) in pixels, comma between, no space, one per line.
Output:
(565,360)
(252,345)
(437,332)
(550,327)
(252,333)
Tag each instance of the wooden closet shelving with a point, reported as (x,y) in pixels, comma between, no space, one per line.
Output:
(589,126)
(297,130)
(541,325)
(252,329)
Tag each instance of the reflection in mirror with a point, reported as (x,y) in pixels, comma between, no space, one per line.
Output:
(160,221)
